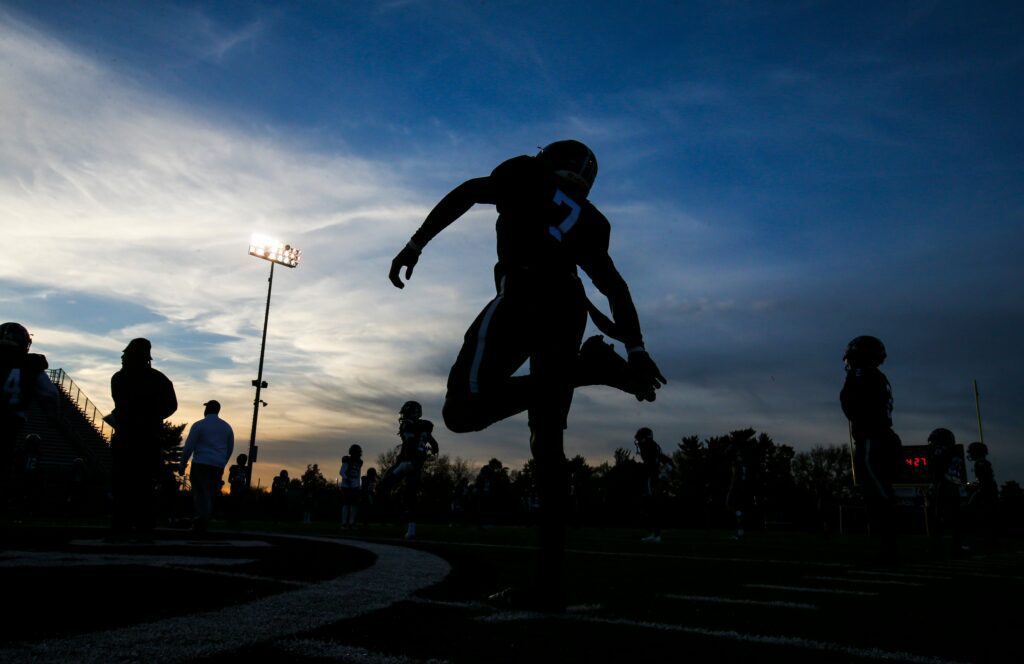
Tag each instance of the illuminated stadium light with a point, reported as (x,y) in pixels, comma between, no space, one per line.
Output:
(277,253)
(270,249)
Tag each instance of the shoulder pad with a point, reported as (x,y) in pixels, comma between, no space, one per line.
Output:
(426,426)
(35,362)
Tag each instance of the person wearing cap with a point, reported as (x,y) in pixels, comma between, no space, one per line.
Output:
(209,444)
(143,399)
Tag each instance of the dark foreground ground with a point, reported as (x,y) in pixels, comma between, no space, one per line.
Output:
(308,594)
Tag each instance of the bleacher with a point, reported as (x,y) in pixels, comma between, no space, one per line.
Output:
(75,430)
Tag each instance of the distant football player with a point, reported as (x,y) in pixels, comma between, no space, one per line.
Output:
(351,475)
(546,229)
(983,504)
(945,469)
(418,442)
(657,468)
(738,499)
(866,399)
(24,380)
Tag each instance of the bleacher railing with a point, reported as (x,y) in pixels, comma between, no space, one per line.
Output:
(81,401)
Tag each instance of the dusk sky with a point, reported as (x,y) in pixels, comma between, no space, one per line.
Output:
(780,177)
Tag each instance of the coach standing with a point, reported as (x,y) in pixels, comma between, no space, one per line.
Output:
(210,443)
(143,399)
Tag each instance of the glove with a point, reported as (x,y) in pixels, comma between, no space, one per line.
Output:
(407,258)
(644,376)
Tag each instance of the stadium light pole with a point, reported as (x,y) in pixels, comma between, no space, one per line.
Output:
(280,254)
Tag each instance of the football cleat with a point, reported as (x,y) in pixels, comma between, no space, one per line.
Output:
(599,364)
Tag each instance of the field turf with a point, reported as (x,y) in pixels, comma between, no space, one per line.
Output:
(697,596)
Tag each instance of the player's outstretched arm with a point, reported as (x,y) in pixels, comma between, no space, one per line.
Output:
(455,204)
(645,377)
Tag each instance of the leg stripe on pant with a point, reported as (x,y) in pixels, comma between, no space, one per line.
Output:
(478,356)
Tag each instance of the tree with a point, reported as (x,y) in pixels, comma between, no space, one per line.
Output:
(313,479)
(823,476)
(171,445)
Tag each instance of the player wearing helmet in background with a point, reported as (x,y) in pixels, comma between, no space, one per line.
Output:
(351,473)
(24,380)
(739,498)
(657,468)
(866,399)
(946,475)
(418,442)
(983,503)
(546,230)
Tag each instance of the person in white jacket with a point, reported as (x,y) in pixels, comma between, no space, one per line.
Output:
(209,444)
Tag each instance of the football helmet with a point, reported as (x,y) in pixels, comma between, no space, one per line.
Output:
(865,352)
(942,438)
(571,161)
(977,450)
(410,410)
(15,334)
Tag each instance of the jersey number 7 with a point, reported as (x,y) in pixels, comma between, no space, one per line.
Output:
(559,231)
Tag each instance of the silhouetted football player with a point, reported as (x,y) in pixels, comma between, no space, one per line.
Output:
(351,476)
(866,399)
(945,468)
(546,229)
(982,506)
(23,379)
(417,442)
(657,467)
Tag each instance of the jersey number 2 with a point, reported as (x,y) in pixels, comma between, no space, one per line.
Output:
(559,231)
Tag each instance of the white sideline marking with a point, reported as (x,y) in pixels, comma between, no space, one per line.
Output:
(397,573)
(750,602)
(337,651)
(732,635)
(900,575)
(804,589)
(877,582)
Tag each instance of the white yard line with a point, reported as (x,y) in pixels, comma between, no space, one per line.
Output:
(900,575)
(732,635)
(627,554)
(238,575)
(805,589)
(397,573)
(476,606)
(319,649)
(877,582)
(775,604)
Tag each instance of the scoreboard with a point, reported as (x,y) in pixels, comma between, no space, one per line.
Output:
(916,469)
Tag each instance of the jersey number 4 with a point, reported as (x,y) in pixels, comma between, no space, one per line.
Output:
(12,387)
(559,231)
